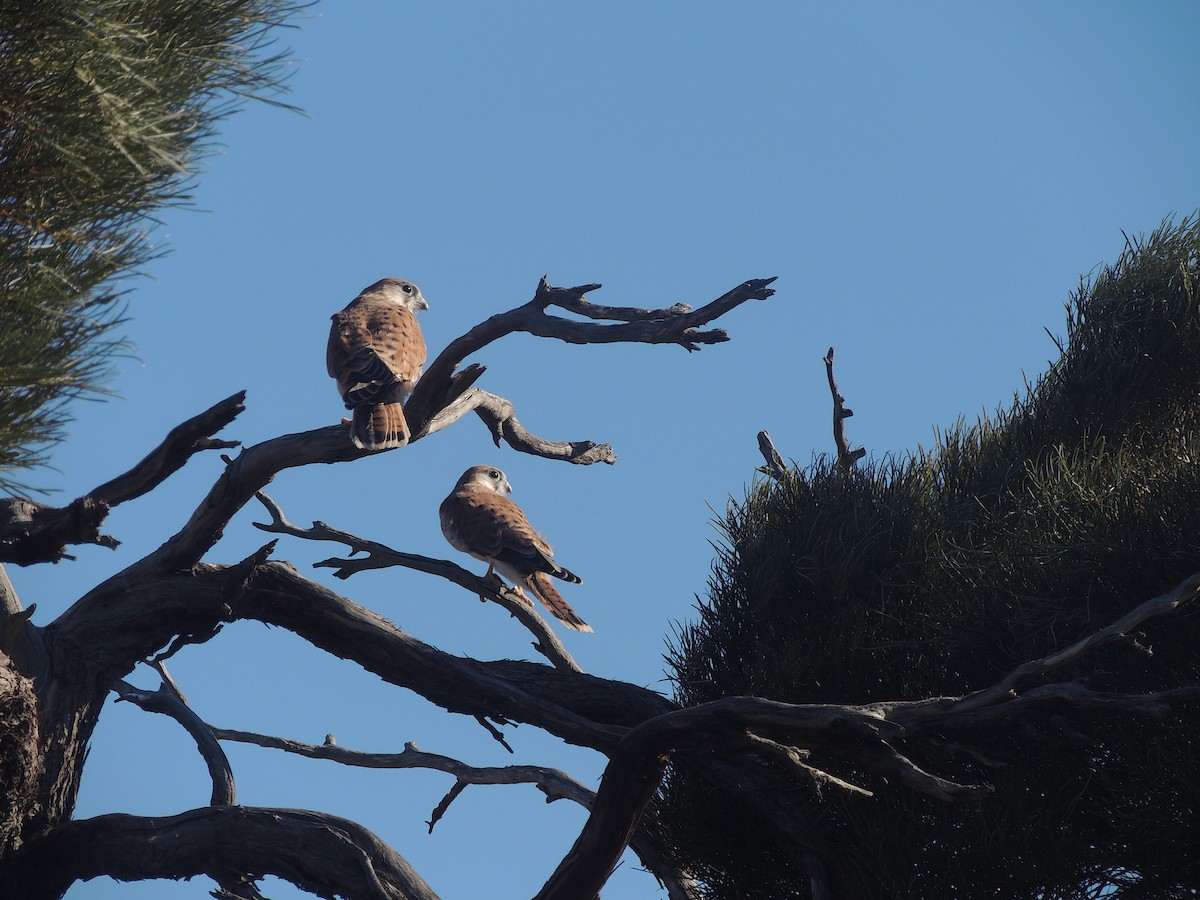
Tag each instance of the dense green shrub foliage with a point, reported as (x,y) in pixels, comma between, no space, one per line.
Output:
(103,110)
(937,574)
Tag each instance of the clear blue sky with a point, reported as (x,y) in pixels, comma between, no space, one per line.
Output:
(927,180)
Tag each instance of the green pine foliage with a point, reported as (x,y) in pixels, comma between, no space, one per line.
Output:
(104,108)
(937,574)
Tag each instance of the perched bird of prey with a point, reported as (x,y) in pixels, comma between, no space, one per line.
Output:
(477,518)
(376,352)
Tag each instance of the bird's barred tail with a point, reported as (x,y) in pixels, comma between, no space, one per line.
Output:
(379,427)
(540,584)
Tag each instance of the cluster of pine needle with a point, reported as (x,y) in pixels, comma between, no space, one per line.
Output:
(104,110)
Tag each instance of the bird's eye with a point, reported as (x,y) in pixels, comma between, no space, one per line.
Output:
(407,288)
(494,474)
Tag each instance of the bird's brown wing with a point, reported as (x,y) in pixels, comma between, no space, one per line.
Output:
(490,526)
(373,346)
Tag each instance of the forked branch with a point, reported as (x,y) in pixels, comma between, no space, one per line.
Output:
(554,783)
(678,324)
(169,701)
(1184,592)
(440,398)
(775,466)
(32,532)
(380,556)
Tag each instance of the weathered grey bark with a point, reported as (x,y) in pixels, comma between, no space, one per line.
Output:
(324,854)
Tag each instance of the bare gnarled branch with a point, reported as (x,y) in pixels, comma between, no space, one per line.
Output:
(441,397)
(500,417)
(846,457)
(866,733)
(678,324)
(724,728)
(554,783)
(32,532)
(380,556)
(169,700)
(1184,592)
(317,852)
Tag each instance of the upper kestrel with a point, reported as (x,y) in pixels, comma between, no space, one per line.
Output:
(376,352)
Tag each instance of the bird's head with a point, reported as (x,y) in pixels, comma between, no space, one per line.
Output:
(486,476)
(397,290)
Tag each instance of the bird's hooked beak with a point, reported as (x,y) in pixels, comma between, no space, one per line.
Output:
(505,487)
(422,303)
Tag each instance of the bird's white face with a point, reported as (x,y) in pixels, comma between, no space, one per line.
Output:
(489,477)
(403,292)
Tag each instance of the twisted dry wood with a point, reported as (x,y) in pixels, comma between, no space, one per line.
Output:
(169,701)
(380,556)
(846,457)
(32,532)
(323,854)
(678,324)
(554,783)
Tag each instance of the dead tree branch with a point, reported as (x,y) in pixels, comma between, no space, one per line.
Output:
(380,556)
(254,468)
(576,707)
(846,457)
(1184,592)
(323,854)
(775,466)
(726,728)
(440,398)
(169,700)
(32,532)
(498,415)
(678,324)
(554,783)
(579,708)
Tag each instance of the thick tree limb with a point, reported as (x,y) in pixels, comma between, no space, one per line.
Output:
(32,532)
(1047,701)
(320,853)
(380,556)
(579,708)
(721,727)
